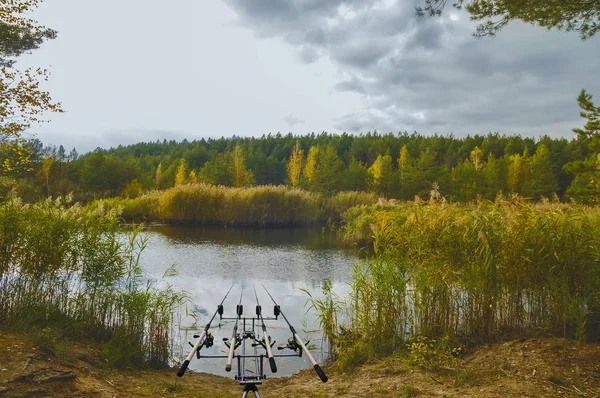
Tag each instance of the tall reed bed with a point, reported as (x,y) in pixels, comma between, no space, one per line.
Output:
(266,205)
(263,205)
(472,273)
(69,272)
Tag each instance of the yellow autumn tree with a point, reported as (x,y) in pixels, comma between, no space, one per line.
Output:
(310,170)
(180,177)
(294,166)
(241,176)
(477,158)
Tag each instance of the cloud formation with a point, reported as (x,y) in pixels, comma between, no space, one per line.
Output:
(292,120)
(431,75)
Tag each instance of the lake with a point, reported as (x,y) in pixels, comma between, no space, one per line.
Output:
(285,260)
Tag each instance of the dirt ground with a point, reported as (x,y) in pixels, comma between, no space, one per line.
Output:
(543,367)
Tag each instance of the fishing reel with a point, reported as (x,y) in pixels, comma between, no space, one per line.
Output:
(208,342)
(293,345)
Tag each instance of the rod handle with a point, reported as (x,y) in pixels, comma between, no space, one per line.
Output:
(183,368)
(321,374)
(231,349)
(273,365)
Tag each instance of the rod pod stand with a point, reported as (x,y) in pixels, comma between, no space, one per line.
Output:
(316,366)
(202,336)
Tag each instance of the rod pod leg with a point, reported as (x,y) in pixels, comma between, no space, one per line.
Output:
(248,388)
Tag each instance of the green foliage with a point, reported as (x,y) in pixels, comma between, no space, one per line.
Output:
(338,163)
(578,16)
(67,272)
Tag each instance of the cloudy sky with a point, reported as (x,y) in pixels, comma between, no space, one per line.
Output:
(140,70)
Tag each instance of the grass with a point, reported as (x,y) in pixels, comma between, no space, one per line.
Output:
(468,274)
(67,273)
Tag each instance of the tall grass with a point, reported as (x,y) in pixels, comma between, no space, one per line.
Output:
(472,273)
(266,205)
(68,271)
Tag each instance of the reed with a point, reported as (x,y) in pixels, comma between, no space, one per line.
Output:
(472,273)
(68,272)
(340,203)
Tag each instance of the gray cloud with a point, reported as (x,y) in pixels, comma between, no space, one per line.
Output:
(431,74)
(292,120)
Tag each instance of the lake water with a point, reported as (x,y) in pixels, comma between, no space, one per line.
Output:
(210,260)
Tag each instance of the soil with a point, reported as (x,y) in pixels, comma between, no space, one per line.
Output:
(542,367)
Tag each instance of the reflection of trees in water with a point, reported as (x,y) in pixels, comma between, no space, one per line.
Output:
(309,238)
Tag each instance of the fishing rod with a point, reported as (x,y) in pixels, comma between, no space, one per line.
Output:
(234,337)
(204,336)
(297,339)
(265,335)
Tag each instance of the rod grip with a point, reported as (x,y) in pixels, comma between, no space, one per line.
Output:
(273,365)
(321,373)
(183,368)
(228,367)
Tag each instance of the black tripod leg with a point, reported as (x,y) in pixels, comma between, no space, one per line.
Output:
(248,388)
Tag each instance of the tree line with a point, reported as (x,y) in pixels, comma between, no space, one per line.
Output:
(399,166)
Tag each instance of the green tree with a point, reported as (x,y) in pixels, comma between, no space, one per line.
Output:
(585,185)
(464,177)
(427,171)
(543,181)
(355,176)
(495,175)
(324,169)
(582,16)
(406,174)
(158,177)
(217,171)
(590,132)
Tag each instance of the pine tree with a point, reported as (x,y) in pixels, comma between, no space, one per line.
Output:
(355,176)
(543,179)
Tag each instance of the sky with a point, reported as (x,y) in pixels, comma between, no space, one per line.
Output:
(128,71)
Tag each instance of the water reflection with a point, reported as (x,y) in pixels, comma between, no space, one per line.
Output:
(209,260)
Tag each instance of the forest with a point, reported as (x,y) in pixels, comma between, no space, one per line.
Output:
(399,166)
